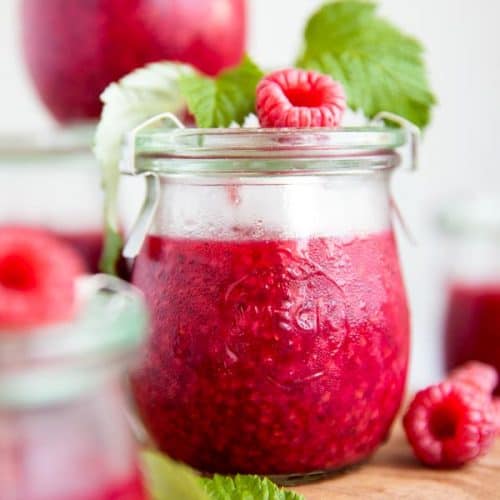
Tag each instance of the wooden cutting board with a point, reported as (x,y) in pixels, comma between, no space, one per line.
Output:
(393,473)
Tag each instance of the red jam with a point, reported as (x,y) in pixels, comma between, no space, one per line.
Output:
(473,325)
(88,245)
(273,356)
(75,48)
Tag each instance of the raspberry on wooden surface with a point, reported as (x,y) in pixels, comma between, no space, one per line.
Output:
(450,424)
(480,375)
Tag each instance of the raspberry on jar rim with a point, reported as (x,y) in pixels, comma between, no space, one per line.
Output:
(299,98)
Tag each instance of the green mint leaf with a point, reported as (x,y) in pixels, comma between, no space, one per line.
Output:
(381,68)
(230,97)
(140,95)
(246,488)
(169,480)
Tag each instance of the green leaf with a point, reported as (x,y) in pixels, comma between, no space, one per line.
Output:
(140,95)
(246,488)
(230,97)
(169,480)
(381,68)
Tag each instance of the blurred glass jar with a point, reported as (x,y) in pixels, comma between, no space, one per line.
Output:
(64,433)
(75,48)
(53,181)
(472,324)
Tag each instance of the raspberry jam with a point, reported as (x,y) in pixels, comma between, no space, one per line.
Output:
(271,356)
(88,245)
(473,325)
(75,48)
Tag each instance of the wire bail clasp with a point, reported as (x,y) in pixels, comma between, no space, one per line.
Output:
(141,226)
(127,163)
(412,130)
(414,136)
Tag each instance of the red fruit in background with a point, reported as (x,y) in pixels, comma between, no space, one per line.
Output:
(496,410)
(75,48)
(37,278)
(480,375)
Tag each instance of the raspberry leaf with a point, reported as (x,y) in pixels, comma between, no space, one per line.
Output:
(220,101)
(140,95)
(381,68)
(167,479)
(246,488)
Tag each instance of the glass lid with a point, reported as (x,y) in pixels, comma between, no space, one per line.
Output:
(262,152)
(257,142)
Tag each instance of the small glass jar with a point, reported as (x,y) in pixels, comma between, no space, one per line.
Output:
(64,433)
(280,326)
(472,323)
(53,181)
(75,48)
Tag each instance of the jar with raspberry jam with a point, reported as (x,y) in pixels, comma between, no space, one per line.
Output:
(280,326)
(52,181)
(472,323)
(64,433)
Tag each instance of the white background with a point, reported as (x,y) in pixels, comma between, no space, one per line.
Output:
(461,149)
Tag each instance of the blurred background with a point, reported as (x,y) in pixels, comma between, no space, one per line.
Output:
(460,152)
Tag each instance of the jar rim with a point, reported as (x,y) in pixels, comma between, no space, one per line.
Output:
(57,361)
(283,142)
(168,150)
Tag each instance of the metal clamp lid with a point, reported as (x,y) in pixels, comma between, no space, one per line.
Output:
(414,144)
(127,164)
(144,220)
(413,134)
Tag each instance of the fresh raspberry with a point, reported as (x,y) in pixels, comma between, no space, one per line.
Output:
(297,98)
(480,375)
(449,424)
(37,277)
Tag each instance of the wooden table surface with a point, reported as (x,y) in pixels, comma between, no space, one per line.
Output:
(393,473)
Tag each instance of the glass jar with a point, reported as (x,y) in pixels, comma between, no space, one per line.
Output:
(53,181)
(472,324)
(64,433)
(75,48)
(280,326)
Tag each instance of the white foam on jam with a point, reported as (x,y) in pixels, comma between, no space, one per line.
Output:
(291,208)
